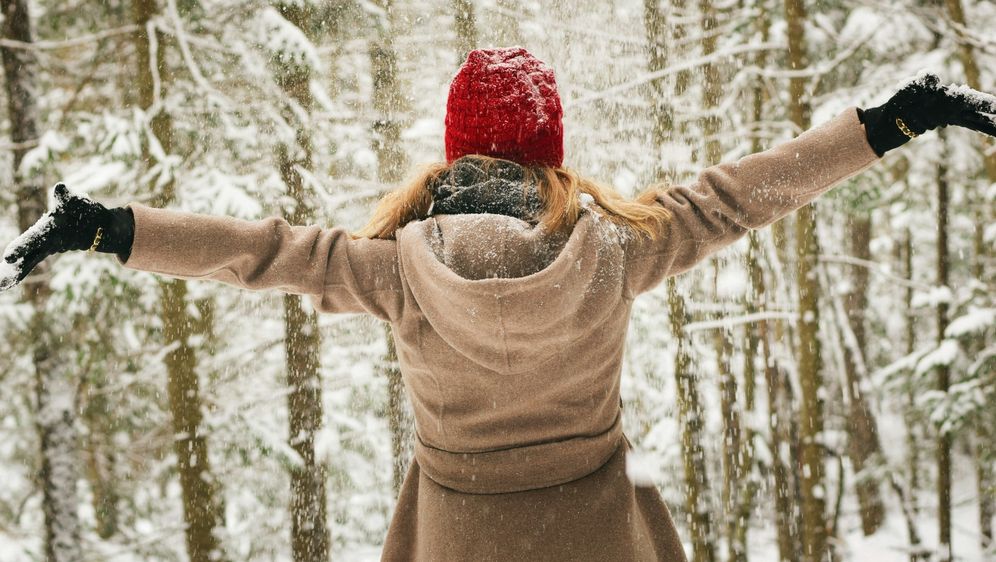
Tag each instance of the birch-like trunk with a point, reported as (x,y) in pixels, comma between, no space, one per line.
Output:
(54,386)
(690,412)
(466,27)
(388,104)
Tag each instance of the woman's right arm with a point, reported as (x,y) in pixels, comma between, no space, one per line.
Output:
(340,273)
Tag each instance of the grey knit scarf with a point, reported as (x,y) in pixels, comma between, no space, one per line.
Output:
(498,187)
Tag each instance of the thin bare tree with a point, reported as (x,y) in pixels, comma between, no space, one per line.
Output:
(388,104)
(54,393)
(310,535)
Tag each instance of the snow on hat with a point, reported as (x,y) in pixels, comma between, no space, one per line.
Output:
(503,103)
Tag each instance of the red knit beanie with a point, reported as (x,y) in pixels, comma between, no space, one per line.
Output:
(503,103)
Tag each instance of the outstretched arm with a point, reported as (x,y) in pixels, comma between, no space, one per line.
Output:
(727,200)
(339,273)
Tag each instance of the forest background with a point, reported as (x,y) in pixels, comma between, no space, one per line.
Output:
(824,389)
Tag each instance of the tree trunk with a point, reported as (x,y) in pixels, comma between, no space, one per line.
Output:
(779,428)
(864,447)
(662,113)
(689,403)
(985,482)
(309,520)
(760,339)
(734,455)
(909,497)
(815,546)
(202,509)
(310,536)
(983,217)
(506,29)
(966,55)
(466,27)
(388,104)
(944,439)
(54,387)
(101,458)
(690,417)
(913,441)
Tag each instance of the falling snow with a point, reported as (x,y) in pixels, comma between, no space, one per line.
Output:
(95,379)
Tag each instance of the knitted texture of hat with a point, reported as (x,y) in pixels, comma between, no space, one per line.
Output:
(503,103)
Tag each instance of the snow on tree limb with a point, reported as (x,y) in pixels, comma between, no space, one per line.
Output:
(976,320)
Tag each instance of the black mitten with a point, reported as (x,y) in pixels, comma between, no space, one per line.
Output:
(73,224)
(924,104)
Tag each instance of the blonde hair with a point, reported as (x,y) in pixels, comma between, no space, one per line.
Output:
(559,191)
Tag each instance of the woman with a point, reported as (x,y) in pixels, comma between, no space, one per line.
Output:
(508,281)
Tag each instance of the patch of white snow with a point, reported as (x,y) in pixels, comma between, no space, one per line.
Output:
(933,297)
(640,471)
(975,320)
(9,273)
(945,354)
(286,41)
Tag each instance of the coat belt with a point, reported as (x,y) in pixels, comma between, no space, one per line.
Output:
(519,469)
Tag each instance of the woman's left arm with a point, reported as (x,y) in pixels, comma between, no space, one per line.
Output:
(728,200)
(340,273)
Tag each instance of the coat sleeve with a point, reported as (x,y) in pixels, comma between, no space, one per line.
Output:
(729,199)
(339,273)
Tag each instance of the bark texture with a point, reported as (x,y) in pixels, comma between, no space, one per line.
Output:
(391,163)
(54,393)
(202,508)
(310,535)
(815,546)
(864,447)
(778,393)
(983,216)
(944,438)
(466,27)
(697,509)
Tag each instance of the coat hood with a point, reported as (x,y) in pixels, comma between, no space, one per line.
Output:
(507,294)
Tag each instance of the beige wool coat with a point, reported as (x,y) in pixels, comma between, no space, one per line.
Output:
(511,344)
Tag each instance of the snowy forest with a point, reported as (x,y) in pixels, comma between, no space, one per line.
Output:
(825,389)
